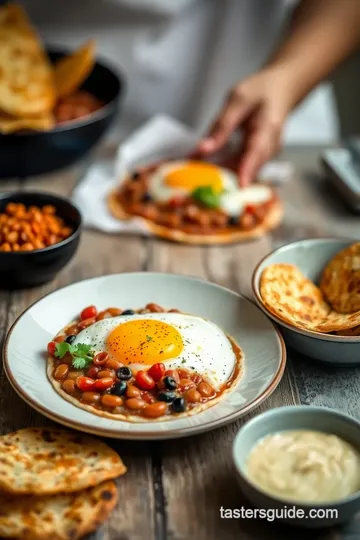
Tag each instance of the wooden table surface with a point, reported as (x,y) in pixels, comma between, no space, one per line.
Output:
(174,490)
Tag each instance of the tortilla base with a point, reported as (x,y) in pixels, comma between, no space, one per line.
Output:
(136,418)
(272,219)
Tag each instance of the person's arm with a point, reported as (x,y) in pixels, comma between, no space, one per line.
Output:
(322,34)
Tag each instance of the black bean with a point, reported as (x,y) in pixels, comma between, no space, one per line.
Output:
(70,339)
(168,397)
(128,312)
(146,198)
(124,373)
(170,383)
(119,388)
(135,175)
(233,220)
(178,405)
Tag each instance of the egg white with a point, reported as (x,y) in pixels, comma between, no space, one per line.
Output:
(206,349)
(160,192)
(233,199)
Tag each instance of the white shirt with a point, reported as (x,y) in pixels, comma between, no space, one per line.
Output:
(180,57)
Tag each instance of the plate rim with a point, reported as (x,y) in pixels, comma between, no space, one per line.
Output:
(146,435)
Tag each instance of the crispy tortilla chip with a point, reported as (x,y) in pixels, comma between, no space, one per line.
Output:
(340,281)
(72,71)
(26,75)
(13,14)
(60,517)
(11,124)
(289,295)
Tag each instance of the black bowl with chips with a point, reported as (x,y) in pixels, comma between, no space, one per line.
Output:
(31,153)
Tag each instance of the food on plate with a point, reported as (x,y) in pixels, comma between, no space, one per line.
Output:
(305,466)
(71,71)
(61,517)
(355,331)
(27,84)
(292,297)
(27,229)
(34,94)
(340,280)
(42,461)
(196,202)
(144,364)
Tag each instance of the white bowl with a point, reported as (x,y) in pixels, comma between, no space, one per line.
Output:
(311,257)
(289,419)
(262,345)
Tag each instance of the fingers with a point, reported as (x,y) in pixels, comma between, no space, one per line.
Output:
(234,111)
(261,144)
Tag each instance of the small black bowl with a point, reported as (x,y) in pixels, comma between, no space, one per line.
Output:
(20,269)
(32,153)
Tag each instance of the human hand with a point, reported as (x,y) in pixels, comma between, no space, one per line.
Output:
(258,106)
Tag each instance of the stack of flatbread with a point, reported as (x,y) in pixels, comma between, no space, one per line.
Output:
(55,484)
(30,85)
(333,307)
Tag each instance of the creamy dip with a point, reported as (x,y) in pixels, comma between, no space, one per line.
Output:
(305,466)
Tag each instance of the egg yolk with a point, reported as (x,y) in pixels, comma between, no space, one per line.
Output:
(144,341)
(193,175)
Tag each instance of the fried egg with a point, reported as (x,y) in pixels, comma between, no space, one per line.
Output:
(181,178)
(177,340)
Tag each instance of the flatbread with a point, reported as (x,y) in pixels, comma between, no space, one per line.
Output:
(350,332)
(11,124)
(57,517)
(71,71)
(289,295)
(26,75)
(292,297)
(47,461)
(272,220)
(340,280)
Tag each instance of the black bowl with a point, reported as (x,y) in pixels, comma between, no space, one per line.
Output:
(21,269)
(32,153)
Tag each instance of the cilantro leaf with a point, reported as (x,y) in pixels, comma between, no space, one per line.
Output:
(206,196)
(81,363)
(148,338)
(82,349)
(82,356)
(62,348)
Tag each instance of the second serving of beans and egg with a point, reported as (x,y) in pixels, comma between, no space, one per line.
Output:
(110,386)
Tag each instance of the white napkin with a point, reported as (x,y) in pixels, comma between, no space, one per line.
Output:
(160,138)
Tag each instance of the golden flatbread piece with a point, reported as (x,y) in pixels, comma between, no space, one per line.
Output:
(72,71)
(12,124)
(292,297)
(272,219)
(340,280)
(339,321)
(57,517)
(26,75)
(350,332)
(48,461)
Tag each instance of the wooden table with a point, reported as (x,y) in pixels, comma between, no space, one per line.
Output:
(174,490)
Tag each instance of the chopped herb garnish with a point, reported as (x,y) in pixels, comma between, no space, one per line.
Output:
(183,361)
(149,338)
(206,196)
(81,354)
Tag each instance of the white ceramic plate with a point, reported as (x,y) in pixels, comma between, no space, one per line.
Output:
(263,347)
